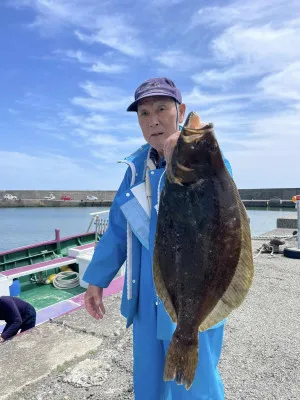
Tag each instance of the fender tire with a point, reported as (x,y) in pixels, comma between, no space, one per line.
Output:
(291,252)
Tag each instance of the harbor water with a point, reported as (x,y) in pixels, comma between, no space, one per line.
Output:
(24,226)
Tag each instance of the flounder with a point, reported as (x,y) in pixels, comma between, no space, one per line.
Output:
(203,264)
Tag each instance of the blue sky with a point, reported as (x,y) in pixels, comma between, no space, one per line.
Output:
(69,69)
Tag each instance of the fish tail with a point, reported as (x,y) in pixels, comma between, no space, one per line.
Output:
(182,359)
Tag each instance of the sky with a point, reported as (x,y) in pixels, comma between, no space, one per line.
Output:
(69,69)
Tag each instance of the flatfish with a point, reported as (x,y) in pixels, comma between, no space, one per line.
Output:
(203,264)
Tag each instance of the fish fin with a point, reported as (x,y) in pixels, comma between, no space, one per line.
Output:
(181,361)
(162,291)
(241,281)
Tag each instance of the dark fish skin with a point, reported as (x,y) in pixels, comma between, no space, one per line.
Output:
(203,265)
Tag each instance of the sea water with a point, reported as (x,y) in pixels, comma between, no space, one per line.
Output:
(25,226)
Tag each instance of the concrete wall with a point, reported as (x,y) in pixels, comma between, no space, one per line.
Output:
(53,203)
(35,198)
(103,195)
(267,194)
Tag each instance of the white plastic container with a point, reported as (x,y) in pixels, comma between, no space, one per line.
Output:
(5,283)
(83,261)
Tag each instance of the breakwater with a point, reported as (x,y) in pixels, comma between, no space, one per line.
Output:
(36,198)
(273,198)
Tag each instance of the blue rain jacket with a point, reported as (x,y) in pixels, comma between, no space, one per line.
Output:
(111,250)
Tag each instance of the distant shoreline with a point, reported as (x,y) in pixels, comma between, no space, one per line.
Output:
(27,203)
(273,198)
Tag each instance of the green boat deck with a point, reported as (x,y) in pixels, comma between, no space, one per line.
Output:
(41,296)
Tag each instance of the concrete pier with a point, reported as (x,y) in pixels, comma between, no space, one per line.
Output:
(75,357)
(272,198)
(36,198)
(289,221)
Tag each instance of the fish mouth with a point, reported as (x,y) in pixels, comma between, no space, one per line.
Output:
(193,129)
(192,121)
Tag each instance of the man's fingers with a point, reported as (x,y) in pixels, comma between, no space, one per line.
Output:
(169,146)
(93,302)
(102,308)
(95,310)
(171,141)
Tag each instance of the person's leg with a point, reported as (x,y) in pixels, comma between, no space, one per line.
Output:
(148,356)
(207,383)
(29,319)
(148,351)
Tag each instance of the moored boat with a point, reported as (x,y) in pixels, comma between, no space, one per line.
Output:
(28,271)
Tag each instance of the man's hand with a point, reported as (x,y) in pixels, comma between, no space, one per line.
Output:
(1,339)
(93,301)
(171,141)
(169,145)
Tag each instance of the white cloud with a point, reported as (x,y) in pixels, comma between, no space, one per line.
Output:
(247,11)
(107,134)
(104,98)
(92,122)
(198,98)
(265,152)
(90,19)
(254,38)
(223,108)
(225,77)
(165,3)
(12,111)
(100,91)
(96,63)
(250,52)
(24,171)
(110,140)
(177,59)
(95,104)
(284,84)
(262,46)
(47,126)
(105,68)
(115,33)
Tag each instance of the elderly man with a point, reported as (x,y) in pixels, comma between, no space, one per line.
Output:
(130,235)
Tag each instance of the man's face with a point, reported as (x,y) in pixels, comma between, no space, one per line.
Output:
(157,119)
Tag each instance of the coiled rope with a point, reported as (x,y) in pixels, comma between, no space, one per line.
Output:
(267,247)
(64,280)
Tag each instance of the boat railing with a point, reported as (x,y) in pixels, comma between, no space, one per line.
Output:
(101,224)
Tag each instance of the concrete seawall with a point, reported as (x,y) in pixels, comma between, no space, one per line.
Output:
(267,194)
(53,203)
(103,195)
(36,198)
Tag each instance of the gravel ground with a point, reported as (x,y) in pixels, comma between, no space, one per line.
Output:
(262,342)
(260,359)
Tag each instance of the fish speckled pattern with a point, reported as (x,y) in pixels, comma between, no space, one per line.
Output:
(203,264)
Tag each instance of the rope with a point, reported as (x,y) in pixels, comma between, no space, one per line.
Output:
(63,280)
(267,247)
(261,249)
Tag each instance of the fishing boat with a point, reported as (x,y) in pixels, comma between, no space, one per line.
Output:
(48,275)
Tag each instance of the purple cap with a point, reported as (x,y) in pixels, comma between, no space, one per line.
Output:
(155,87)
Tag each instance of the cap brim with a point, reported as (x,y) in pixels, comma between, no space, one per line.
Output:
(133,106)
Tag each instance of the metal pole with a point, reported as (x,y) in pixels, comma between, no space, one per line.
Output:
(298,219)
(296,200)
(57,239)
